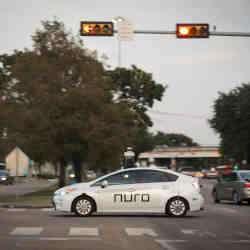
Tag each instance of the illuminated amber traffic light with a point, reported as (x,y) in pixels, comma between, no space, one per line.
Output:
(97,29)
(192,30)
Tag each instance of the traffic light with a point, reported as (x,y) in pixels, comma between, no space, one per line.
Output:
(192,30)
(236,167)
(96,29)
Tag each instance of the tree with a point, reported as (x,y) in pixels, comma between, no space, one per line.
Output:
(138,90)
(231,120)
(143,141)
(63,102)
(173,140)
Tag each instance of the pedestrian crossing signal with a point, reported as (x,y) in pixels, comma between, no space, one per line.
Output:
(96,29)
(192,30)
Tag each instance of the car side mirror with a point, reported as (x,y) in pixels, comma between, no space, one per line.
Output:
(104,184)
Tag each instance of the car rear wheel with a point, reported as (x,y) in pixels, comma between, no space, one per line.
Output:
(236,198)
(215,196)
(83,206)
(177,207)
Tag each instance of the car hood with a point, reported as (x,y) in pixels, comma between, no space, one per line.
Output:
(77,186)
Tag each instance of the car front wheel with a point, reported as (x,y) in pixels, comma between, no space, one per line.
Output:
(177,207)
(83,206)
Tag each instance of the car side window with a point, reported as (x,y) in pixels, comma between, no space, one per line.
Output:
(118,179)
(153,176)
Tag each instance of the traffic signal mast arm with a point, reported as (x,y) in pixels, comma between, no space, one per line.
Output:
(211,33)
(183,30)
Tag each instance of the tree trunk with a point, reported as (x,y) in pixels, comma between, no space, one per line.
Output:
(39,166)
(63,165)
(78,170)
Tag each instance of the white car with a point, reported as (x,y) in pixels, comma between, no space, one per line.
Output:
(132,190)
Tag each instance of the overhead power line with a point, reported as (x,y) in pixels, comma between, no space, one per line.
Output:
(191,116)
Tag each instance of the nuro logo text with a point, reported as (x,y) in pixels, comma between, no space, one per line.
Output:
(131,197)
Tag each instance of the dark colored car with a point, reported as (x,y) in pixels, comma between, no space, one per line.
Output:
(5,177)
(188,171)
(211,174)
(234,186)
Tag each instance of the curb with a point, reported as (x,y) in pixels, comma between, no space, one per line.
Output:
(24,206)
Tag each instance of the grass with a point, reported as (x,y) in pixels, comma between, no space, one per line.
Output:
(39,196)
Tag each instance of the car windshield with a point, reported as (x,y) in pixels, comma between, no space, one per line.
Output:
(2,172)
(245,175)
(187,169)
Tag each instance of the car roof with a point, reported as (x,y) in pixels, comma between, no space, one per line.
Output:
(136,169)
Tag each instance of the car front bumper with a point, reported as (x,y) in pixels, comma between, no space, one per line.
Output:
(61,203)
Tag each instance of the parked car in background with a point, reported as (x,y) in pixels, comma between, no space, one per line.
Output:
(211,174)
(234,186)
(191,171)
(5,177)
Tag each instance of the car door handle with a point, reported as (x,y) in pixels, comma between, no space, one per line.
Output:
(131,190)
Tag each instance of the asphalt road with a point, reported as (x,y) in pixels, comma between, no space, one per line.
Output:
(220,226)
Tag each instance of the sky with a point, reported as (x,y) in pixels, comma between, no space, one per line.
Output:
(195,70)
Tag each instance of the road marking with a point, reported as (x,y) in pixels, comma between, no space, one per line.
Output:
(47,209)
(137,231)
(189,231)
(27,231)
(243,234)
(17,209)
(84,231)
(236,241)
(67,238)
(224,209)
(165,243)
(213,235)
(198,232)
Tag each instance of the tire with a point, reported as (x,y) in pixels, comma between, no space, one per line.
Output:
(83,206)
(177,207)
(215,196)
(236,198)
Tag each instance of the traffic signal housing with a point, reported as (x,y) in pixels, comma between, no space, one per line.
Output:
(97,29)
(236,167)
(186,30)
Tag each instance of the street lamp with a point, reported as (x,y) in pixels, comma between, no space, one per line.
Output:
(117,20)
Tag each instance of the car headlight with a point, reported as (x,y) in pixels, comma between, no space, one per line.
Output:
(64,192)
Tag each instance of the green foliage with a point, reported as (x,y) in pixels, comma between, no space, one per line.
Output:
(146,141)
(46,176)
(61,105)
(138,90)
(62,101)
(173,140)
(231,120)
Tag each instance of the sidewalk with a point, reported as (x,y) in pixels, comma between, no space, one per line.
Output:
(19,189)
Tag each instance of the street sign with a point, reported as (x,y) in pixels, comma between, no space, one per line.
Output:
(125,31)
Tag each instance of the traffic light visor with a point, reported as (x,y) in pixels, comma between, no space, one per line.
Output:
(96,29)
(192,30)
